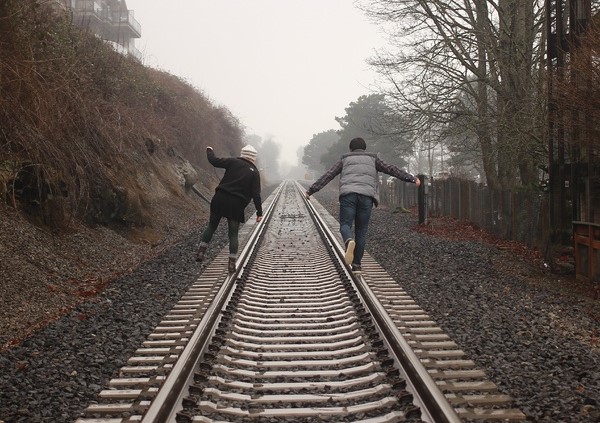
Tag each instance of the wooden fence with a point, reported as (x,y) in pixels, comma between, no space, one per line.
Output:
(513,215)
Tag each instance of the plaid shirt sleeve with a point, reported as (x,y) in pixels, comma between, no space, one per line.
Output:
(392,170)
(335,170)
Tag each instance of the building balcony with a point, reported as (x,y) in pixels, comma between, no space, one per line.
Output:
(89,7)
(88,14)
(125,21)
(115,25)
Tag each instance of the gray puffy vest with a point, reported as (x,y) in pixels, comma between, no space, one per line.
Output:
(359,174)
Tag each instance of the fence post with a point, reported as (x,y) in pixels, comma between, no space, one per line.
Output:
(422,198)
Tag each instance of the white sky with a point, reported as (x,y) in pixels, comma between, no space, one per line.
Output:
(285,68)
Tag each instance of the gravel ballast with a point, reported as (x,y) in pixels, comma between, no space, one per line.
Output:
(531,332)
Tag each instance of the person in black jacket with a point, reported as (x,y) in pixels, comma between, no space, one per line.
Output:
(239,185)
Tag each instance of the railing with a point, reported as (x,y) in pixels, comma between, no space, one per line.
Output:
(119,19)
(115,19)
(88,6)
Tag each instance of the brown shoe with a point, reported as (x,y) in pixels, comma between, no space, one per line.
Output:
(231,265)
(200,253)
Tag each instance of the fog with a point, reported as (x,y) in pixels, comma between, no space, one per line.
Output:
(286,69)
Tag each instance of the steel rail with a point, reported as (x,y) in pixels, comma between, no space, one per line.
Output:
(269,314)
(167,401)
(433,401)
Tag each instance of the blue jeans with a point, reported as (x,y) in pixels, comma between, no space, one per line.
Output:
(355,209)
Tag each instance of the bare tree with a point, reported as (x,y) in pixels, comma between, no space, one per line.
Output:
(470,63)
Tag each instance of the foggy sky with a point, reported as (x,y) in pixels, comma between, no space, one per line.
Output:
(285,68)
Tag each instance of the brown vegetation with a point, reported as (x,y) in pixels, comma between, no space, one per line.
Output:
(89,134)
(97,157)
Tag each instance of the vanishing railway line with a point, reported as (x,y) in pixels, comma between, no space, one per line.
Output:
(294,336)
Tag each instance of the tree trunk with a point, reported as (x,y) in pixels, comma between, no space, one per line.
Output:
(483,128)
(516,91)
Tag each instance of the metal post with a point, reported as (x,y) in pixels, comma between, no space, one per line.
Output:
(422,198)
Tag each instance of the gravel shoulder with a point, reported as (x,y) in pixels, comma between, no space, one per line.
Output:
(535,334)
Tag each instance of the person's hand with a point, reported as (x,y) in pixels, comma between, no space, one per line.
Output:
(307,195)
(417,182)
(258,219)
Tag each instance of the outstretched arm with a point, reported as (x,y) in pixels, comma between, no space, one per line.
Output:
(335,170)
(392,170)
(214,160)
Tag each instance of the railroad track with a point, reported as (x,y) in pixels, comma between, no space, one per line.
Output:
(294,336)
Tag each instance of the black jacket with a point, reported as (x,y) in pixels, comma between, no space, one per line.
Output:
(241,178)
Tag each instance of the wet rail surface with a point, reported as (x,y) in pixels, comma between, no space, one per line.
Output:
(294,336)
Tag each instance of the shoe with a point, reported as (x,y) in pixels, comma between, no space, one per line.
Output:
(356,267)
(231,265)
(349,256)
(200,253)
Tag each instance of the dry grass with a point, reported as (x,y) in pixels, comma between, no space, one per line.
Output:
(97,155)
(81,125)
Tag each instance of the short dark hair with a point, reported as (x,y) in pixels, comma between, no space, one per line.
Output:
(358,144)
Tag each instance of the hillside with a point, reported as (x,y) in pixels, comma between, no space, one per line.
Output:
(98,157)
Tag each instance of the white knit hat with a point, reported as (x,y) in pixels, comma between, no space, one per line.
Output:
(249,153)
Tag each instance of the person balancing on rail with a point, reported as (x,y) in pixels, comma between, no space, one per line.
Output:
(239,185)
(359,191)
